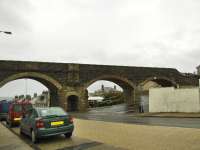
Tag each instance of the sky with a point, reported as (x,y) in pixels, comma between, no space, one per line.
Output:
(22,87)
(154,33)
(29,86)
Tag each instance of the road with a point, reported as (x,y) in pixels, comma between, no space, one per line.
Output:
(112,128)
(99,135)
(61,143)
(119,113)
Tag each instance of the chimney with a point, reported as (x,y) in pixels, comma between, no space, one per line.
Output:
(198,70)
(35,95)
(102,87)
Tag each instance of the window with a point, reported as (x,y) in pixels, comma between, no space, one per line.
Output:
(51,112)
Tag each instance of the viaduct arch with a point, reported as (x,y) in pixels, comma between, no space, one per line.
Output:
(127,85)
(68,82)
(53,85)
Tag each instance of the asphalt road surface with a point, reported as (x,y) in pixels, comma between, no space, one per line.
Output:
(114,128)
(100,135)
(119,113)
(61,143)
(99,129)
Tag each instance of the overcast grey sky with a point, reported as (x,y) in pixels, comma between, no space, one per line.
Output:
(162,33)
(29,86)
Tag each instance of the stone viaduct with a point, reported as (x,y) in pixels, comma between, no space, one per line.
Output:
(68,82)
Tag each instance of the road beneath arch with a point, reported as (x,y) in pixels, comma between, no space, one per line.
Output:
(120,114)
(98,135)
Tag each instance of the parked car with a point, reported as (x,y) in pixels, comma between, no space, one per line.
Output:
(16,110)
(4,107)
(14,114)
(44,122)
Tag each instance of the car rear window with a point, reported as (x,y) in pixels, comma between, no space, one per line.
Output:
(51,112)
(17,108)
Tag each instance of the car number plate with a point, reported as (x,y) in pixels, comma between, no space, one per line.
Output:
(57,123)
(17,119)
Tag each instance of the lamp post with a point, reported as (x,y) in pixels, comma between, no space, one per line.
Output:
(6,32)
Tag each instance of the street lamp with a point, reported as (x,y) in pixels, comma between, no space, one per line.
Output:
(6,32)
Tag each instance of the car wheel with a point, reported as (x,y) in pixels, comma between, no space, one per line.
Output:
(10,124)
(20,131)
(6,122)
(68,135)
(33,137)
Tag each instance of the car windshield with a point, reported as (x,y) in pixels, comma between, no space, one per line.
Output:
(17,108)
(54,111)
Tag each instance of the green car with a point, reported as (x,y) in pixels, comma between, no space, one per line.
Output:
(45,122)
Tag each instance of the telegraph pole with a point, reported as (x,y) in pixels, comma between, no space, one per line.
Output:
(26,88)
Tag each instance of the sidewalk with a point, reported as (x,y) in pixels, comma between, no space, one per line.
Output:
(138,137)
(169,115)
(9,141)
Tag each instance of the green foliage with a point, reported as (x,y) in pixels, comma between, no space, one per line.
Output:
(110,98)
(113,95)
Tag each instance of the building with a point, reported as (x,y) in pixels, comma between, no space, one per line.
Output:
(198,70)
(42,100)
(104,90)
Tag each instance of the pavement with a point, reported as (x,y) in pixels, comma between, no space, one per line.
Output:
(101,135)
(61,143)
(139,137)
(122,114)
(187,122)
(169,115)
(111,128)
(123,109)
(10,141)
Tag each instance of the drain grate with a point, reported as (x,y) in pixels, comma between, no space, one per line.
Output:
(81,146)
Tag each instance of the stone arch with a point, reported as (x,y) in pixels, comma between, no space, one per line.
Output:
(163,81)
(113,78)
(52,84)
(144,86)
(32,75)
(127,86)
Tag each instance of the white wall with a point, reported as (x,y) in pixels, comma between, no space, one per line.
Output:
(174,100)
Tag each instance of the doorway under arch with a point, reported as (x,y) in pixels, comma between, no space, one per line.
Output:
(72,103)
